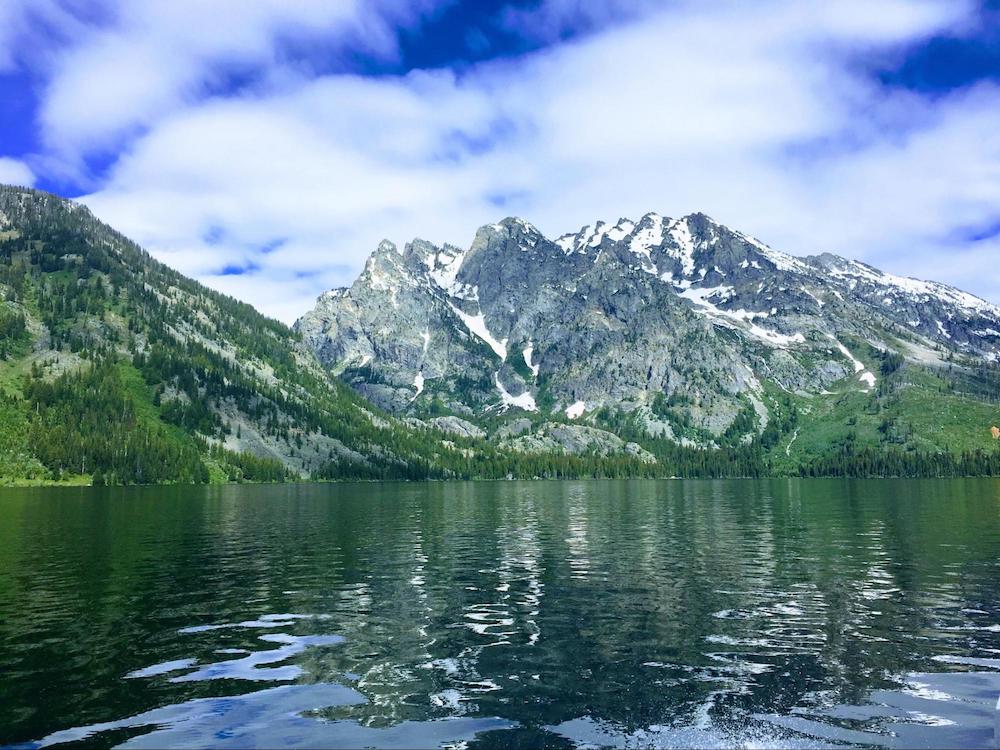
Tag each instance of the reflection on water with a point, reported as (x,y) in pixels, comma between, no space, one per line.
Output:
(930,710)
(275,718)
(618,614)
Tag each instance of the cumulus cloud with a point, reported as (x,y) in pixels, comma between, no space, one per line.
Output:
(141,61)
(15,172)
(759,119)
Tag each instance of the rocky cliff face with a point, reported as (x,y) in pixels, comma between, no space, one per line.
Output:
(684,323)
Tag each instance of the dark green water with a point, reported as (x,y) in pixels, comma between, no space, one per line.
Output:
(794,613)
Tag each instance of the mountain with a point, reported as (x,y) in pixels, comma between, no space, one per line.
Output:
(664,332)
(654,348)
(116,369)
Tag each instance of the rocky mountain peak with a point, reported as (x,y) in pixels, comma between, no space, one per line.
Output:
(420,253)
(383,267)
(622,315)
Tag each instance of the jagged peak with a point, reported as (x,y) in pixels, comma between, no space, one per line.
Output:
(420,252)
(418,245)
(516,223)
(592,235)
(523,233)
(512,226)
(384,264)
(699,216)
(649,226)
(680,238)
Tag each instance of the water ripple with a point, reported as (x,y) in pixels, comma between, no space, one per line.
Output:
(787,613)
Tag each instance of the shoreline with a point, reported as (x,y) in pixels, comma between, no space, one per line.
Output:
(50,484)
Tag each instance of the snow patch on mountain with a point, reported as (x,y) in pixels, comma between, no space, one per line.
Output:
(701,297)
(865,375)
(621,230)
(468,292)
(815,298)
(477,326)
(600,229)
(680,233)
(858,364)
(445,266)
(333,294)
(647,238)
(528,350)
(567,242)
(525,401)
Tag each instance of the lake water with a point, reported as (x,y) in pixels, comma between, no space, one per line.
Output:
(506,614)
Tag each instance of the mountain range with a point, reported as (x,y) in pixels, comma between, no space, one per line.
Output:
(680,330)
(654,347)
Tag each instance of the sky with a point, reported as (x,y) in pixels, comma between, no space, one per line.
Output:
(265,148)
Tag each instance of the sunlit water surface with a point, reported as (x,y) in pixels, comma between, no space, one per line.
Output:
(621,614)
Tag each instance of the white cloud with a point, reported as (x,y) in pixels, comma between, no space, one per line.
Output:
(159,55)
(755,118)
(24,27)
(15,172)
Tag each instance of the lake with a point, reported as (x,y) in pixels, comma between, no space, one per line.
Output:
(794,613)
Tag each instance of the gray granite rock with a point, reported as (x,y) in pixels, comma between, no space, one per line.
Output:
(624,316)
(457,426)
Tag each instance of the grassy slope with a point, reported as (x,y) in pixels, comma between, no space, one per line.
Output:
(912,409)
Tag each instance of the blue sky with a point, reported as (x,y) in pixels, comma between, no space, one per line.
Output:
(265,148)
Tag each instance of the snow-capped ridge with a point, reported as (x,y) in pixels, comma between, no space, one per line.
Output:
(618,312)
(653,237)
(781,261)
(858,271)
